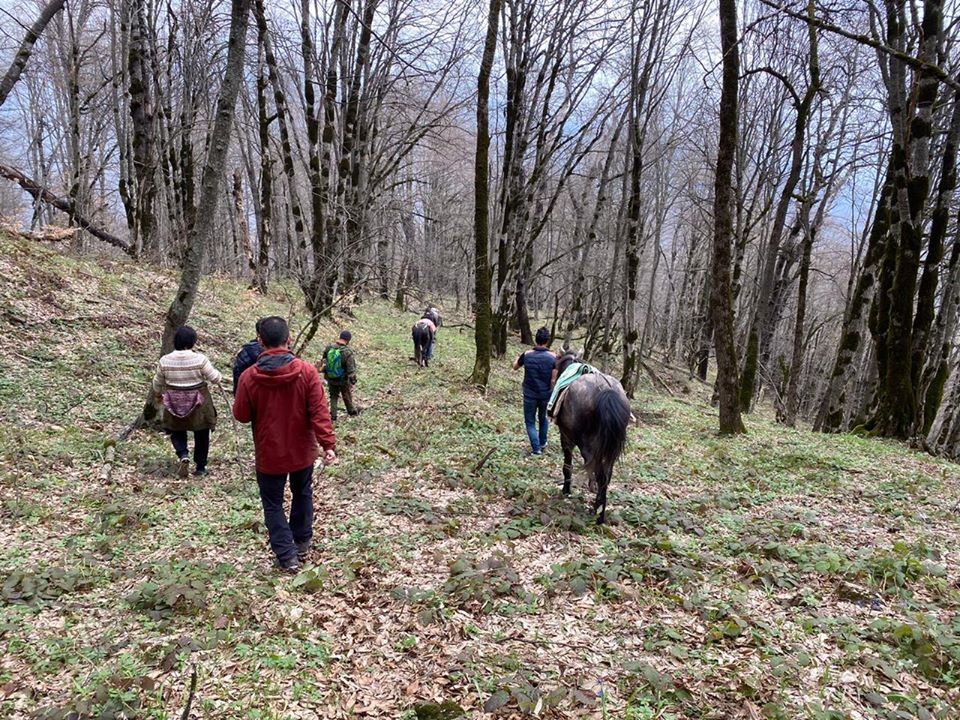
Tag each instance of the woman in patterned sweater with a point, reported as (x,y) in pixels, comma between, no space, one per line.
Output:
(181,386)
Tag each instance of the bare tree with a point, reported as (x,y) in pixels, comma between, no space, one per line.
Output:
(481,213)
(211,181)
(720,293)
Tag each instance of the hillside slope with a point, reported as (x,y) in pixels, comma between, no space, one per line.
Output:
(778,575)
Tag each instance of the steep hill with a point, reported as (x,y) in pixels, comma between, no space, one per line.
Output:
(778,575)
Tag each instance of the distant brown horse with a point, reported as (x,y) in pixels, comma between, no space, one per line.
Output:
(593,415)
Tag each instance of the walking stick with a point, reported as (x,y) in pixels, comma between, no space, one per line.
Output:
(233,421)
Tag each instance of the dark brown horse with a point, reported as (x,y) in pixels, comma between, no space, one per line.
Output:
(422,334)
(593,415)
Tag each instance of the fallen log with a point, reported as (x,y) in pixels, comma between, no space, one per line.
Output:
(108,458)
(43,195)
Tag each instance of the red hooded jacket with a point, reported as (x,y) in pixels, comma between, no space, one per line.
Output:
(284,399)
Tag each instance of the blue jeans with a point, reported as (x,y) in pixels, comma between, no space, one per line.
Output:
(534,411)
(284,534)
(429,353)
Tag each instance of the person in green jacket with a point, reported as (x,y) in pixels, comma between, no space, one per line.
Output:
(339,368)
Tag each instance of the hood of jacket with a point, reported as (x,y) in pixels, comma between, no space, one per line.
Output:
(277,366)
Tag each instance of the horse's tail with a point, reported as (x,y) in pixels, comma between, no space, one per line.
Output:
(612,411)
(421,340)
(421,336)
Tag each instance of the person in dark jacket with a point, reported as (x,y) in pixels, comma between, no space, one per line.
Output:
(246,357)
(283,397)
(339,367)
(539,373)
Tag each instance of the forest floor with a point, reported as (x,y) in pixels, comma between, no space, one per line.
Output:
(780,575)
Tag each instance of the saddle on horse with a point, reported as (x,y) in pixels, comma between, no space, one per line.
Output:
(572,373)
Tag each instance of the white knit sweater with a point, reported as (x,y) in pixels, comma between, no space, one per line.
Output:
(184,369)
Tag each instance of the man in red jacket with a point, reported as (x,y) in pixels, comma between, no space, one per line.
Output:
(283,397)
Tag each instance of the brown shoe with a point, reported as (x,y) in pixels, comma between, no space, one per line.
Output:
(184,469)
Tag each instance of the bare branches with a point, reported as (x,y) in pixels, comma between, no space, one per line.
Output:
(26,48)
(914,62)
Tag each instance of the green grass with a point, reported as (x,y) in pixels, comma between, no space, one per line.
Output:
(778,575)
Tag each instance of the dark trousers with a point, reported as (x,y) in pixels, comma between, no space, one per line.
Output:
(299,529)
(338,389)
(201,446)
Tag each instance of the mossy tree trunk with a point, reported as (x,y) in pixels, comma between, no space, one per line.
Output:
(897,402)
(481,212)
(831,415)
(211,181)
(261,266)
(930,353)
(721,298)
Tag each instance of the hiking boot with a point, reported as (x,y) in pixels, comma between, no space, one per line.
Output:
(353,413)
(303,549)
(184,468)
(201,472)
(290,567)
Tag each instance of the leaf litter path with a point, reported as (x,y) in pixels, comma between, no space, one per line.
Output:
(781,575)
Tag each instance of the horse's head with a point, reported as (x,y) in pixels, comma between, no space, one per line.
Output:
(567,359)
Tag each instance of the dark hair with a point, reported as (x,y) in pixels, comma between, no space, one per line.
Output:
(346,335)
(185,338)
(543,336)
(274,331)
(257,326)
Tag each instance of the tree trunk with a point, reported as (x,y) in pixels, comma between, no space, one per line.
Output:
(241,226)
(286,147)
(721,299)
(768,303)
(202,230)
(833,408)
(897,402)
(796,362)
(348,187)
(926,296)
(523,313)
(481,213)
(261,268)
(142,230)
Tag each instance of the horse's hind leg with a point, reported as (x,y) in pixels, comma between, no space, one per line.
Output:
(600,503)
(567,463)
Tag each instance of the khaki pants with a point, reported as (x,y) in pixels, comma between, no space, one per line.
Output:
(338,389)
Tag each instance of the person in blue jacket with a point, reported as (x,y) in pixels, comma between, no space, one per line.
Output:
(246,357)
(539,373)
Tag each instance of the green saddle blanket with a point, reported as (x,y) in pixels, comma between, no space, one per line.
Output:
(574,371)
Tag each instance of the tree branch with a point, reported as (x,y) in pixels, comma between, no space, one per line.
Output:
(906,58)
(26,48)
(41,193)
